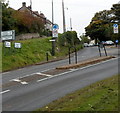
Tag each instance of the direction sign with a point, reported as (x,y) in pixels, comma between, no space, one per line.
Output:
(115,28)
(8,35)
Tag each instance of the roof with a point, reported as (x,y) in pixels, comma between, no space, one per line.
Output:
(41,15)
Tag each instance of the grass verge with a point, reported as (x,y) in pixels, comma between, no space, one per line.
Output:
(33,51)
(100,96)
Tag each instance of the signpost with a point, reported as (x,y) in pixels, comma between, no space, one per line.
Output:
(115,28)
(8,35)
(55,28)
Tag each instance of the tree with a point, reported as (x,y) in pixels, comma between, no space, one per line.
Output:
(101,26)
(8,22)
(116,12)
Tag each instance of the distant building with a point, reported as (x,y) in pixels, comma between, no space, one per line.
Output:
(48,23)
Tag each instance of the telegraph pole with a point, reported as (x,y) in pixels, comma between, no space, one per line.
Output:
(52,14)
(71,24)
(64,29)
(53,40)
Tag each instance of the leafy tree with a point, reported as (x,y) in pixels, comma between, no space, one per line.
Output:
(68,38)
(101,25)
(8,22)
(84,39)
(116,12)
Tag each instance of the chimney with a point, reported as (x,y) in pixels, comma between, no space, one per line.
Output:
(24,4)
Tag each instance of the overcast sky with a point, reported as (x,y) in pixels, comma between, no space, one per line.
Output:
(81,11)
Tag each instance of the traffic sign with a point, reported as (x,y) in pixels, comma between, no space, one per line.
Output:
(115,28)
(18,45)
(55,26)
(55,33)
(7,44)
(116,41)
(8,35)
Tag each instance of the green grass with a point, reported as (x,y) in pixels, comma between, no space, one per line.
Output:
(100,96)
(32,51)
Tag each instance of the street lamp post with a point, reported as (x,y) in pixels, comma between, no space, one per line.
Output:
(64,28)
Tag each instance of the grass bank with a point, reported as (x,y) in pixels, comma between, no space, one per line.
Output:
(100,96)
(32,51)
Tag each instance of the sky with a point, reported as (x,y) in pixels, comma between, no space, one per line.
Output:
(80,11)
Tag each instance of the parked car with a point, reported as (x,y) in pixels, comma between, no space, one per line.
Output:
(109,42)
(86,45)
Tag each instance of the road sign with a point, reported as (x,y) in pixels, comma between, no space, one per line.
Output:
(8,35)
(116,41)
(55,26)
(7,44)
(17,45)
(55,33)
(115,28)
(52,40)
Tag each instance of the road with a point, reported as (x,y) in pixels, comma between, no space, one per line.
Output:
(32,87)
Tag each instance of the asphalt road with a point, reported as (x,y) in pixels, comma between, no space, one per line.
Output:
(32,87)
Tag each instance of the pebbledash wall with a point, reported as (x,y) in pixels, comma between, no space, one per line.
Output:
(27,36)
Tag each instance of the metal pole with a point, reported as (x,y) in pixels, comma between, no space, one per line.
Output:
(69,55)
(75,55)
(99,50)
(53,43)
(105,50)
(71,24)
(64,29)
(52,14)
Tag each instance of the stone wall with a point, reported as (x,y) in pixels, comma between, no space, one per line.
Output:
(27,36)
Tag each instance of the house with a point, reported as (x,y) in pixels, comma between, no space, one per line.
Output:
(47,23)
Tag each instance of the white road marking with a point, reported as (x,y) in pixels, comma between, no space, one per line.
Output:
(4,91)
(16,80)
(19,81)
(24,83)
(44,74)
(72,69)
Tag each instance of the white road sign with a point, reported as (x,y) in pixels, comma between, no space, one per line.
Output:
(55,33)
(8,35)
(17,45)
(115,28)
(8,44)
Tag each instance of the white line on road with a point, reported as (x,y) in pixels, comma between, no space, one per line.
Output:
(44,74)
(24,83)
(4,91)
(16,80)
(20,81)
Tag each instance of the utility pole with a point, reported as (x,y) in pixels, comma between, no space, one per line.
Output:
(71,24)
(52,14)
(53,40)
(64,29)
